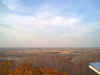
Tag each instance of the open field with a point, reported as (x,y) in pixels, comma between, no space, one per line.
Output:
(73,61)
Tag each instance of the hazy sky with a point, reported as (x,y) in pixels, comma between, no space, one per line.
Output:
(49,23)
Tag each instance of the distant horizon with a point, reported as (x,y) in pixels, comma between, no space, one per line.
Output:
(48,47)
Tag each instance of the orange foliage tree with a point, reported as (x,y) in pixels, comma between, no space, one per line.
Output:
(27,69)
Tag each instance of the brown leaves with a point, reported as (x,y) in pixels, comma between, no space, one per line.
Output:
(4,68)
(27,69)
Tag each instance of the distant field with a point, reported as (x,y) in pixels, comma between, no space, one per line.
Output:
(73,61)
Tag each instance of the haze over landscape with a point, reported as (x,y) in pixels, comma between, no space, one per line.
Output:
(49,37)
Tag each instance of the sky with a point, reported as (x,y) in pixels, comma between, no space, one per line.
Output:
(49,23)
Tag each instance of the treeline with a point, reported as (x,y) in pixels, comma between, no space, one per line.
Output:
(27,69)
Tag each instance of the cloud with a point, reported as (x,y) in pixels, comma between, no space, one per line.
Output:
(44,21)
(17,6)
(44,28)
(35,28)
(11,4)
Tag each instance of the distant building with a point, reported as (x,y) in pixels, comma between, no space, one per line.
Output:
(95,66)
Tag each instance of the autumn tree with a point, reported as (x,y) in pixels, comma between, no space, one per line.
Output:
(4,68)
(27,69)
